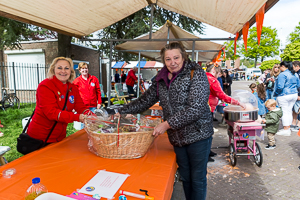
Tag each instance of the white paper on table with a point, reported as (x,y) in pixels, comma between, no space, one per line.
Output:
(104,183)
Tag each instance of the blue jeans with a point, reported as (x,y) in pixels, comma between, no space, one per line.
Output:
(192,165)
(269,93)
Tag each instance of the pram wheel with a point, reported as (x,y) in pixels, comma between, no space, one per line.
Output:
(232,155)
(258,158)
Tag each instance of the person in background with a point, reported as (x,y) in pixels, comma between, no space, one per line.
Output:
(295,126)
(123,77)
(117,77)
(51,96)
(220,79)
(231,74)
(286,91)
(270,81)
(182,89)
(227,81)
(89,87)
(262,78)
(131,80)
(260,95)
(272,122)
(212,72)
(253,87)
(236,76)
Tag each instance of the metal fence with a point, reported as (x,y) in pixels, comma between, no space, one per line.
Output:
(22,79)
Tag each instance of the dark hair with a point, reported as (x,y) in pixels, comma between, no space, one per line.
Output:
(261,91)
(288,65)
(173,45)
(252,85)
(210,65)
(296,63)
(226,72)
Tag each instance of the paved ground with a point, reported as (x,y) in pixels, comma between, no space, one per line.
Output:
(277,178)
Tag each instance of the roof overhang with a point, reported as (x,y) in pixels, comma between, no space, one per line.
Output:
(80,18)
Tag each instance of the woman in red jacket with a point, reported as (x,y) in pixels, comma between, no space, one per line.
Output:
(216,92)
(50,99)
(89,87)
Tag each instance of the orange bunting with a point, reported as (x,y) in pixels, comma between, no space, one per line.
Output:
(216,59)
(259,21)
(224,54)
(245,34)
(235,39)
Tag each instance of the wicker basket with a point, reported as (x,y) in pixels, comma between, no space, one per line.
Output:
(125,145)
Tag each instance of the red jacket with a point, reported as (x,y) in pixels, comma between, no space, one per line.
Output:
(217,93)
(131,78)
(50,100)
(89,90)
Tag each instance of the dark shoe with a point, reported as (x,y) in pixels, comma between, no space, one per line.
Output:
(210,159)
(269,147)
(212,154)
(215,119)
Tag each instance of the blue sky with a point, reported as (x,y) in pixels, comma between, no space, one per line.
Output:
(284,16)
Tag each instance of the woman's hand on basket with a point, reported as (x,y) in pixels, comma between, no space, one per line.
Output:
(161,128)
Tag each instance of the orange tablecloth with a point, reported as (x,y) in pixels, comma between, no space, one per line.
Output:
(66,166)
(156,107)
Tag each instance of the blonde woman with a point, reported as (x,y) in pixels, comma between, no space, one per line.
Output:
(270,81)
(51,96)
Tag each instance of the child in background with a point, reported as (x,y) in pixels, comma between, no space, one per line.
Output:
(261,97)
(252,87)
(272,122)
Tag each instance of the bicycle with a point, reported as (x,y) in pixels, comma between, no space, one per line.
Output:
(9,100)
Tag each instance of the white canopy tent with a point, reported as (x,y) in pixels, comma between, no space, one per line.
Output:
(169,30)
(80,18)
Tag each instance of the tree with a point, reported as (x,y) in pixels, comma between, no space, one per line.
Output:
(229,49)
(13,32)
(138,24)
(268,64)
(291,52)
(294,36)
(269,44)
(248,63)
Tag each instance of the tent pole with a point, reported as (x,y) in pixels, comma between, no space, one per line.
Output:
(109,76)
(100,71)
(139,71)
(168,34)
(151,22)
(197,56)
(193,51)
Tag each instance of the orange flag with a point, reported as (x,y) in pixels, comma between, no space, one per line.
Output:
(216,59)
(259,21)
(224,56)
(235,39)
(245,34)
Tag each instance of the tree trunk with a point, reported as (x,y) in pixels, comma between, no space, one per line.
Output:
(1,56)
(64,45)
(255,62)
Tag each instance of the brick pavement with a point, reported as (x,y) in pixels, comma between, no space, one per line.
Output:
(277,178)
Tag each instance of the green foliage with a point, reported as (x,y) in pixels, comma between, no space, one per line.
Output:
(248,63)
(138,24)
(294,36)
(268,64)
(11,119)
(12,32)
(291,52)
(269,44)
(230,50)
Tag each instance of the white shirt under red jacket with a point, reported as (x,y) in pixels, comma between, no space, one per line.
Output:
(217,93)
(89,90)
(50,100)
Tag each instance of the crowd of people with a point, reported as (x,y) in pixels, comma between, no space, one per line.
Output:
(183,89)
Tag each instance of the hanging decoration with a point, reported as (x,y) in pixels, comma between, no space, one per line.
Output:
(245,34)
(235,39)
(259,21)
(224,54)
